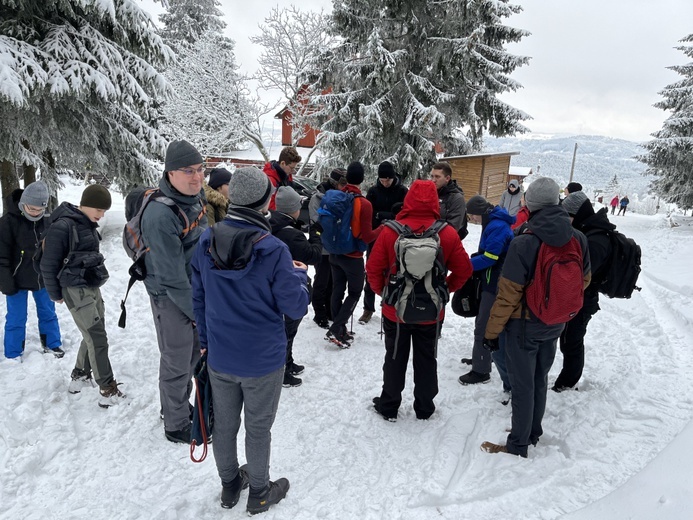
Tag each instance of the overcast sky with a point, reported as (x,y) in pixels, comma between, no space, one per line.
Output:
(596,68)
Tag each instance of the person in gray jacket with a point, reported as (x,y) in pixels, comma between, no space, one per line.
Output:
(168,282)
(451,198)
(511,198)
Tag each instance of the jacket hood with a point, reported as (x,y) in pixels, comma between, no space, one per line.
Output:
(498,213)
(231,245)
(70,211)
(598,220)
(421,201)
(552,225)
(450,187)
(279,221)
(12,202)
(215,198)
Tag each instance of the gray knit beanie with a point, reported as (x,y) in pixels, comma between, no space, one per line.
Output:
(180,154)
(35,194)
(542,193)
(573,202)
(287,200)
(249,187)
(478,205)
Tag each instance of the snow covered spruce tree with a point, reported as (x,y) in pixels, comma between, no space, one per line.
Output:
(408,74)
(291,39)
(76,81)
(211,105)
(670,154)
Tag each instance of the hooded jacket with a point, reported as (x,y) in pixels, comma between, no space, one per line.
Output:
(288,230)
(453,209)
(217,205)
(493,245)
(168,259)
(277,177)
(419,212)
(550,225)
(511,201)
(383,199)
(244,282)
(18,239)
(71,255)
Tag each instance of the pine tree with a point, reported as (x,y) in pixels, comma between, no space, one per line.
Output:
(614,185)
(188,20)
(669,155)
(410,74)
(78,78)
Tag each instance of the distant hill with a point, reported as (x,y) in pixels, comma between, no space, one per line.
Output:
(598,160)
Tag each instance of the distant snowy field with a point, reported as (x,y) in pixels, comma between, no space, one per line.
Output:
(61,456)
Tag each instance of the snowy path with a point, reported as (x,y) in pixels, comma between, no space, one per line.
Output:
(63,457)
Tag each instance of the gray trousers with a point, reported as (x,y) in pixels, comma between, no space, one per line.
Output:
(260,398)
(179,347)
(481,358)
(530,349)
(87,309)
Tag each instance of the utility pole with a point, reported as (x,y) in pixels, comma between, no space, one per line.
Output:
(572,166)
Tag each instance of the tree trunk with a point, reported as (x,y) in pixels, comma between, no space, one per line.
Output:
(29,174)
(53,200)
(9,181)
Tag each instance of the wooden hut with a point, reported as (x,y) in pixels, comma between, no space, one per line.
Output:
(484,174)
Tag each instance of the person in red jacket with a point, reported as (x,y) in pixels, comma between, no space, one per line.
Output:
(348,273)
(420,210)
(280,172)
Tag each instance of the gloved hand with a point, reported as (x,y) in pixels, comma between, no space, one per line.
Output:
(491,344)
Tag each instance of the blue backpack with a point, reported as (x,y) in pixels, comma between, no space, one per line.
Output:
(335,212)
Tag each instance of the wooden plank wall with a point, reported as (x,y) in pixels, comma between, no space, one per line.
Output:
(486,176)
(467,173)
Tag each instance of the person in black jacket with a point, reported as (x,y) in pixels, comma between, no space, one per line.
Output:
(20,230)
(287,228)
(386,197)
(73,271)
(595,226)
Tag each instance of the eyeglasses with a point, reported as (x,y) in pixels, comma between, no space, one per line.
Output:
(192,171)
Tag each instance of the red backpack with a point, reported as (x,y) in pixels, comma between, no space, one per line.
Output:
(555,294)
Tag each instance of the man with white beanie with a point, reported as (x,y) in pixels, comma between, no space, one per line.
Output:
(20,229)
(530,343)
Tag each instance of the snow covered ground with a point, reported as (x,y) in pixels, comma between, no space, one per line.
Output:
(619,447)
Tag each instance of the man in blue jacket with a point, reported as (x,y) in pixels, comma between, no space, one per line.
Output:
(244,283)
(487,263)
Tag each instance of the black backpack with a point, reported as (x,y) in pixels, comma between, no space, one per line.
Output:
(618,276)
(466,300)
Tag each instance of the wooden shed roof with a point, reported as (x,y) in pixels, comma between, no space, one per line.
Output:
(480,155)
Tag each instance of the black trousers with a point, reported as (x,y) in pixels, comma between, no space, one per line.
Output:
(368,294)
(347,276)
(572,343)
(422,339)
(291,328)
(322,289)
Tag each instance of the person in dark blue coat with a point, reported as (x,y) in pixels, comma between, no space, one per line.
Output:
(244,282)
(20,230)
(487,263)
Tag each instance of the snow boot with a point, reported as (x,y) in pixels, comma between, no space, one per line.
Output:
(231,491)
(79,379)
(342,340)
(57,351)
(365,317)
(261,501)
(291,381)
(322,322)
(180,436)
(474,378)
(379,411)
(294,369)
(110,395)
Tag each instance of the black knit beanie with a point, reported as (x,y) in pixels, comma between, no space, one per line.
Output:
(478,205)
(355,173)
(96,196)
(386,170)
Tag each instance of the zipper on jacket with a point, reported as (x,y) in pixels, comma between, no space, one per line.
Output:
(21,259)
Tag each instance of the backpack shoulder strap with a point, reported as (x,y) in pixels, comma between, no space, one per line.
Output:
(396,226)
(435,228)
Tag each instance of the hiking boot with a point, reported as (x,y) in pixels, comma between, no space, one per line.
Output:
(260,501)
(365,317)
(466,361)
(79,379)
(341,340)
(474,378)
(559,389)
(57,351)
(180,436)
(231,491)
(110,395)
(291,381)
(323,322)
(294,369)
(490,447)
(378,409)
(505,398)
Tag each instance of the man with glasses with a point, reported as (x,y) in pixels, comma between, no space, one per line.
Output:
(168,281)
(280,172)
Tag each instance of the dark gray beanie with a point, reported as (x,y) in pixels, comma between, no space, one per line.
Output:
(35,194)
(542,193)
(478,205)
(249,187)
(573,202)
(180,154)
(218,177)
(96,196)
(287,200)
(355,173)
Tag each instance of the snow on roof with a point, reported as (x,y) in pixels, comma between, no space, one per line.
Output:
(519,171)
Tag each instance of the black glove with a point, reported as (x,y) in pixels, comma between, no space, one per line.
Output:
(491,344)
